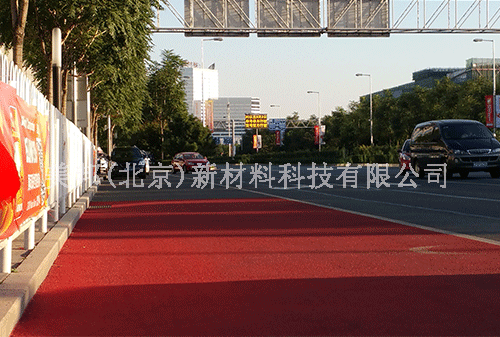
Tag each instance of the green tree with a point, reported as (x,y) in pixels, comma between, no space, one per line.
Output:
(116,63)
(333,125)
(297,139)
(107,40)
(166,121)
(13,20)
(395,118)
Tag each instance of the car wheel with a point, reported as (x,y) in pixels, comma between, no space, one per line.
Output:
(418,169)
(185,169)
(464,174)
(495,173)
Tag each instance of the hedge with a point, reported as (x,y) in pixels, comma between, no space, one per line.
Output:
(360,155)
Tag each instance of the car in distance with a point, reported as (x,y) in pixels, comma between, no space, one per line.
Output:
(132,155)
(463,145)
(187,161)
(404,156)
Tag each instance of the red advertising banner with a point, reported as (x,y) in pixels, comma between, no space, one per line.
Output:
(316,134)
(278,137)
(489,111)
(24,134)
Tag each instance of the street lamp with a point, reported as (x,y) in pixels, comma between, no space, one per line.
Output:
(494,82)
(371,106)
(279,118)
(203,117)
(319,119)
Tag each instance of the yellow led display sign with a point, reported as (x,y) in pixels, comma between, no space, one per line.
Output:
(256,121)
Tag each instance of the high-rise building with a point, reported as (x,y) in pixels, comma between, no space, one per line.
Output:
(234,108)
(200,93)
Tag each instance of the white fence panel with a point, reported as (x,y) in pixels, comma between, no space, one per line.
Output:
(71,161)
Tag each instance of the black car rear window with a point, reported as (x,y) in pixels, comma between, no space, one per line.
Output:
(465,131)
(126,154)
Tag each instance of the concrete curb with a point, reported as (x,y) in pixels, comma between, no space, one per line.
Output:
(20,287)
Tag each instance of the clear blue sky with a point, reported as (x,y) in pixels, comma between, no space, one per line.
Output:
(280,71)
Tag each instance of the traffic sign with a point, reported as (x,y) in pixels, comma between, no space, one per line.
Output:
(277,124)
(223,140)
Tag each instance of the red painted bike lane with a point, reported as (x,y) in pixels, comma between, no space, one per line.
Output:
(261,267)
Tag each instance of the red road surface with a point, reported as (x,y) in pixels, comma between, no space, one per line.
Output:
(262,267)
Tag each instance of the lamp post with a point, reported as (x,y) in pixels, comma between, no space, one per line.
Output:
(279,117)
(494,82)
(229,129)
(319,119)
(203,117)
(371,107)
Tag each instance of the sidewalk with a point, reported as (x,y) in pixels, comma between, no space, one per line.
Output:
(31,267)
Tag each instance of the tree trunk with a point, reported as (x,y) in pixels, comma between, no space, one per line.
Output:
(94,119)
(64,90)
(19,12)
(162,141)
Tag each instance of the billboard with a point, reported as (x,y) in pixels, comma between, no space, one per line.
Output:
(24,137)
(292,17)
(216,17)
(258,121)
(358,17)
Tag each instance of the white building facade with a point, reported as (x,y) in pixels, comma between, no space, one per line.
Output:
(201,87)
(235,109)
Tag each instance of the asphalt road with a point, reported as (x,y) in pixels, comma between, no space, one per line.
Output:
(462,206)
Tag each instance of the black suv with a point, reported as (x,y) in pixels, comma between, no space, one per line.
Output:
(463,145)
(121,156)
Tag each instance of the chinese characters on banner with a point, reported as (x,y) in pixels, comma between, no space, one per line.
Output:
(24,134)
(490,112)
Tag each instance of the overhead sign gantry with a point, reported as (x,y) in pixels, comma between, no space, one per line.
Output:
(336,18)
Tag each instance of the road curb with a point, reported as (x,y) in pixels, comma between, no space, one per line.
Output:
(20,287)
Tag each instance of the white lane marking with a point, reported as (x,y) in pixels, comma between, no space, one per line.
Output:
(448,195)
(428,250)
(401,190)
(409,206)
(404,223)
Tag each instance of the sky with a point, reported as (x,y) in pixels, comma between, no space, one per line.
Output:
(280,70)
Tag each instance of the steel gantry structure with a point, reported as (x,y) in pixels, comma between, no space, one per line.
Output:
(333,17)
(221,125)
